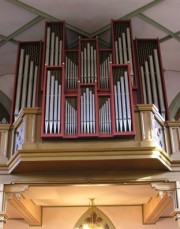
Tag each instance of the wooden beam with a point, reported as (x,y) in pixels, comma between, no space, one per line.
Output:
(30,212)
(153,210)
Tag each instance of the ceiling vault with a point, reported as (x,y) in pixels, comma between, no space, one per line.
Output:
(128,16)
(159,26)
(20,30)
(42,15)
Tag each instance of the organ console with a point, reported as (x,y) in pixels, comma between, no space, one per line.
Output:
(88,91)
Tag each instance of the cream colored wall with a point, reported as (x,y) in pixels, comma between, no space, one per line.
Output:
(126,217)
(172,81)
(7,84)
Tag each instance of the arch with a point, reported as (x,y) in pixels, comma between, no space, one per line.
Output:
(104,220)
(5,107)
(5,101)
(174,107)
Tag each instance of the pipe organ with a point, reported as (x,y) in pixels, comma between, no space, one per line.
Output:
(89,91)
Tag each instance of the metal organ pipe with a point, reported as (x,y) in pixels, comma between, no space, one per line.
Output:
(123,50)
(71,73)
(53,103)
(105,71)
(149,93)
(153,81)
(143,85)
(25,82)
(47,102)
(35,86)
(129,121)
(130,54)
(19,83)
(105,116)
(159,82)
(48,44)
(53,47)
(30,84)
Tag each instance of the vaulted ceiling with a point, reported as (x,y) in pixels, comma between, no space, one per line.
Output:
(24,21)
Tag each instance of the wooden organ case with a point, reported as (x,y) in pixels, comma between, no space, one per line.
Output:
(89,91)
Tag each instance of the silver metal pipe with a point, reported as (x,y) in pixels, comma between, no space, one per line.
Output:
(59,108)
(19,83)
(82,115)
(56,50)
(159,82)
(52,48)
(35,86)
(88,63)
(71,73)
(85,65)
(149,93)
(120,51)
(25,82)
(48,85)
(92,64)
(55,107)
(116,108)
(51,104)
(95,67)
(130,54)
(84,112)
(120,106)
(153,81)
(143,84)
(48,45)
(124,48)
(123,104)
(60,52)
(116,52)
(109,115)
(106,73)
(66,117)
(87,108)
(82,66)
(66,72)
(70,121)
(127,100)
(29,97)
(93,113)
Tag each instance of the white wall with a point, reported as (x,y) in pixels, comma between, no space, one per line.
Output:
(127,217)
(7,84)
(172,81)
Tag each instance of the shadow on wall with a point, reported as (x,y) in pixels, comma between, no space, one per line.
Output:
(5,108)
(174,108)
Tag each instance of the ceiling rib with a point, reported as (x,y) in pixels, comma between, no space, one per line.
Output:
(168,37)
(159,26)
(128,16)
(20,30)
(46,16)
(5,39)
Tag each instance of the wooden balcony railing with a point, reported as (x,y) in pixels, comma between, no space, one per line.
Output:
(154,138)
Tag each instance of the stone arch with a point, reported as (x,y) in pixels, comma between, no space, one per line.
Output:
(106,222)
(174,108)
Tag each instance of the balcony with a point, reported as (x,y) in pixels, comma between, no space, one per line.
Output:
(155,146)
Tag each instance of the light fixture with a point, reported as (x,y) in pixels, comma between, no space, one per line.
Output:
(93,220)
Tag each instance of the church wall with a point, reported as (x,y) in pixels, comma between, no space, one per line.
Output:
(123,217)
